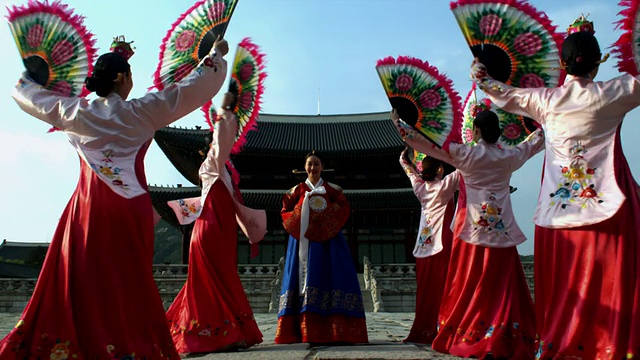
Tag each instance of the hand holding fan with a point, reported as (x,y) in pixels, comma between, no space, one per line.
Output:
(516,43)
(627,48)
(515,128)
(247,84)
(56,49)
(423,97)
(191,38)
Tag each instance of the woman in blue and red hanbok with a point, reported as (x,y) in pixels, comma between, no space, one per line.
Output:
(587,238)
(433,245)
(96,297)
(486,309)
(320,301)
(212,312)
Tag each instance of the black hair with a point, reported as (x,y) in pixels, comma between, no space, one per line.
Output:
(489,125)
(313,153)
(430,168)
(105,71)
(581,53)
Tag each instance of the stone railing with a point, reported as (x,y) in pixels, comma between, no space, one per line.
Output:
(15,293)
(391,287)
(261,284)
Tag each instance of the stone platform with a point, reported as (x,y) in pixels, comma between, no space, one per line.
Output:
(386,331)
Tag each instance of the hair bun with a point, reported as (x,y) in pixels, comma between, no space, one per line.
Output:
(90,83)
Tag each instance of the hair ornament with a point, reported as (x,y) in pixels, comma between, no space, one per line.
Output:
(122,47)
(581,24)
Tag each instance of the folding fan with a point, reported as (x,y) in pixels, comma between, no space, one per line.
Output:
(55,47)
(516,43)
(247,83)
(191,38)
(515,128)
(423,97)
(415,158)
(627,48)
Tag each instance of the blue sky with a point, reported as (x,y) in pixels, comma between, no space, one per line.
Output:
(332,45)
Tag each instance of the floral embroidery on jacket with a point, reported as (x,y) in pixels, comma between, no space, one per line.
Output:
(426,233)
(187,209)
(107,169)
(578,187)
(491,219)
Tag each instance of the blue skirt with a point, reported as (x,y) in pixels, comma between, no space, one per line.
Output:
(332,281)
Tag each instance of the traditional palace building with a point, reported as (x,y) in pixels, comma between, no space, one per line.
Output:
(360,154)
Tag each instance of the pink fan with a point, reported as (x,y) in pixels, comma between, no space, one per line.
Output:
(627,48)
(517,43)
(56,48)
(423,97)
(247,83)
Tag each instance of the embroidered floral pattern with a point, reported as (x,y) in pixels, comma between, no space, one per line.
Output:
(224,328)
(481,330)
(491,219)
(317,203)
(187,209)
(323,300)
(107,169)
(60,351)
(578,187)
(426,233)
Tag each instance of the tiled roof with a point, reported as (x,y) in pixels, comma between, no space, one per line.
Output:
(355,134)
(271,200)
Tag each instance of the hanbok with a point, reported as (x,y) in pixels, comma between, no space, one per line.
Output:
(587,252)
(320,300)
(487,307)
(432,249)
(96,297)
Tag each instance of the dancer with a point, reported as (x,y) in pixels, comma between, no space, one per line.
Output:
(212,312)
(587,252)
(433,245)
(486,309)
(96,297)
(320,301)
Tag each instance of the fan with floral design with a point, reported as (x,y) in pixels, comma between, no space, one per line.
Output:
(190,39)
(515,128)
(627,47)
(247,83)
(518,44)
(423,97)
(56,49)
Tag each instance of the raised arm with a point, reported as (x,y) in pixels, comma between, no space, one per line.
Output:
(224,135)
(417,182)
(520,101)
(47,105)
(418,142)
(179,99)
(524,151)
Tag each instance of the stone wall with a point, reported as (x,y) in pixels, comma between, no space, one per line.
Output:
(385,288)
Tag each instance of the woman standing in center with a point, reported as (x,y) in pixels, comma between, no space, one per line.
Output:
(486,311)
(320,300)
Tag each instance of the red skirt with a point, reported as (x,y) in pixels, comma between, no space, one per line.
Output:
(486,306)
(431,276)
(587,283)
(96,297)
(212,311)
